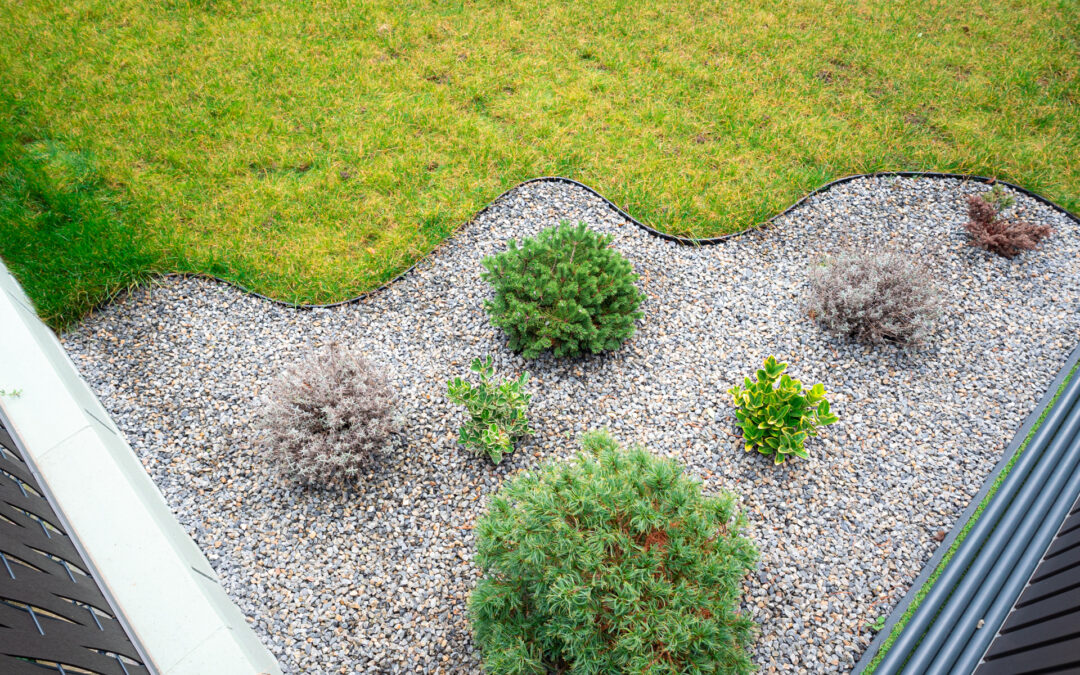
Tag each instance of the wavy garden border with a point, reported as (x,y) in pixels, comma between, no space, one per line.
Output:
(685,241)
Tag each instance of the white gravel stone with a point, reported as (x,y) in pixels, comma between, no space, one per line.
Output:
(375,578)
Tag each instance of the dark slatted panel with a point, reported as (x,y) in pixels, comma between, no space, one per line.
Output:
(52,613)
(1061,563)
(1042,633)
(1068,538)
(1060,627)
(1049,587)
(1056,657)
(1051,605)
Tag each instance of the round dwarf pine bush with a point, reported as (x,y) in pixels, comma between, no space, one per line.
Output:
(566,290)
(874,297)
(327,419)
(614,562)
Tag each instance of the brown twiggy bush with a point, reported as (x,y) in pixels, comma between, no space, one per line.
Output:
(1005,237)
(874,297)
(326,419)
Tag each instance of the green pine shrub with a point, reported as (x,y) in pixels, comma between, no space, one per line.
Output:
(777,415)
(613,562)
(567,290)
(496,410)
(999,198)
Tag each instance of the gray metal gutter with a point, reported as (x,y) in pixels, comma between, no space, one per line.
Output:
(960,615)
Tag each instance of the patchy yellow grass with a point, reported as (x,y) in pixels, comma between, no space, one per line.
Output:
(312,149)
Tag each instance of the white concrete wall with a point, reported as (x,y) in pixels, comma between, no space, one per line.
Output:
(161,585)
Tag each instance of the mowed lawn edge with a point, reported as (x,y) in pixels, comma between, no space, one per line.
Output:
(311,152)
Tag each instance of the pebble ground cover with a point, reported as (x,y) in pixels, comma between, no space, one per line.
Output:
(375,578)
(310,151)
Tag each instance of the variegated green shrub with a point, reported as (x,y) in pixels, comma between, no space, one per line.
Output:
(777,415)
(496,411)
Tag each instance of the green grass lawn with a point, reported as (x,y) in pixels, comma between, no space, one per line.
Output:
(312,149)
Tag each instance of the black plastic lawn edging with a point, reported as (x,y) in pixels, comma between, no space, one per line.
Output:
(927,614)
(685,241)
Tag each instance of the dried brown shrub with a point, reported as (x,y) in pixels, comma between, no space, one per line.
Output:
(1005,237)
(326,419)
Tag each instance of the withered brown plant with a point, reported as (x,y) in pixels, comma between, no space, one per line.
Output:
(1006,237)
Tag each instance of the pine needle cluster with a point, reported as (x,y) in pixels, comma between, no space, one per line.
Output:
(566,290)
(614,562)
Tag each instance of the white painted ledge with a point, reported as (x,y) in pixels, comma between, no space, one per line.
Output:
(160,584)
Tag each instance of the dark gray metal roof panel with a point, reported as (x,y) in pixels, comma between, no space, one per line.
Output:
(52,612)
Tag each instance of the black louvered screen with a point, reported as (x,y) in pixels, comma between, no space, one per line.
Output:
(53,616)
(1042,633)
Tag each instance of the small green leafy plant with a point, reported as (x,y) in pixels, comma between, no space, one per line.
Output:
(777,415)
(496,410)
(566,290)
(11,393)
(999,198)
(612,562)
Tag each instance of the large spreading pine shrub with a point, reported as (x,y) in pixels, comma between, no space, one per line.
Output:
(566,290)
(613,562)
(326,419)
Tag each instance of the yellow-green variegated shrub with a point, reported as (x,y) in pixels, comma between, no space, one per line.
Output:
(777,415)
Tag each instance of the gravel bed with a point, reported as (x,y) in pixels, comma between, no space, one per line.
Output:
(375,578)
